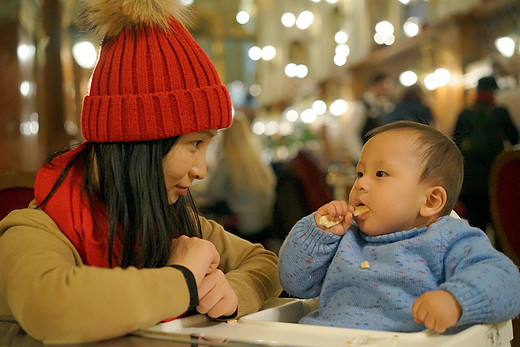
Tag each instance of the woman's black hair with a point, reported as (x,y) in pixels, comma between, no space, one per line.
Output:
(130,183)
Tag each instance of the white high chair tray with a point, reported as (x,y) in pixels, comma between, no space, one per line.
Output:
(276,325)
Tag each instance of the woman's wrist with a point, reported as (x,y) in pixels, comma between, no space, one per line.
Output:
(192,285)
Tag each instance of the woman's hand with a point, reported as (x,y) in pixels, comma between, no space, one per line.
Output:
(197,255)
(216,297)
(336,211)
(438,310)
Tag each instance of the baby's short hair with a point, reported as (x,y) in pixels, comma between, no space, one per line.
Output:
(442,159)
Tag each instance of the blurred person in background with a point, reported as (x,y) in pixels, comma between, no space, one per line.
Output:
(412,106)
(368,113)
(480,133)
(240,189)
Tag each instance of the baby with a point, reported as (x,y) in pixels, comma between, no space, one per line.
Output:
(403,263)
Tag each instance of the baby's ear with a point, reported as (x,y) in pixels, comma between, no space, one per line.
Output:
(436,197)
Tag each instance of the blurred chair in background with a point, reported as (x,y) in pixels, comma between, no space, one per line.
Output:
(16,190)
(504,193)
(301,189)
(504,196)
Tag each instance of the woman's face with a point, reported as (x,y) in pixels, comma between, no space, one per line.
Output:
(185,162)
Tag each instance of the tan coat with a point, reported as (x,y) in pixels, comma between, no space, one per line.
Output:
(57,299)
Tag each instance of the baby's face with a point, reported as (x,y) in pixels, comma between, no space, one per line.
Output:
(388,173)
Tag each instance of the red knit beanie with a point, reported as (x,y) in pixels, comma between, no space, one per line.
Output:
(152,80)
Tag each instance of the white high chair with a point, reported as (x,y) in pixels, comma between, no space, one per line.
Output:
(276,325)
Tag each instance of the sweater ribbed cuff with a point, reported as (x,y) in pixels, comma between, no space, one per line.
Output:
(475,305)
(230,317)
(192,285)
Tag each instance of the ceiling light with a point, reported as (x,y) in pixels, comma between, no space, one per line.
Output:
(288,19)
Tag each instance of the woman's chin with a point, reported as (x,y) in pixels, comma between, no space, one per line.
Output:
(172,200)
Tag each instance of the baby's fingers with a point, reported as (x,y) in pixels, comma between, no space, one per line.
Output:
(327,209)
(431,321)
(419,316)
(340,208)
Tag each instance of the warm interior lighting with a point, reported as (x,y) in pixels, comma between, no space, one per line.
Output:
(341,37)
(268,52)
(412,26)
(319,106)
(308,116)
(338,107)
(408,78)
(506,46)
(304,20)
(255,53)
(84,54)
(242,17)
(288,19)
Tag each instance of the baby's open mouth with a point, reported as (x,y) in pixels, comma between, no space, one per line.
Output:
(360,210)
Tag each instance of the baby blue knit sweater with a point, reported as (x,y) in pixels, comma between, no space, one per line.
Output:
(449,255)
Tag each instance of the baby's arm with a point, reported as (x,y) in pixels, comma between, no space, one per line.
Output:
(438,310)
(305,256)
(337,212)
(484,282)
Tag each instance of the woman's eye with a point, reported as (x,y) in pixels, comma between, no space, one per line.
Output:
(359,174)
(196,143)
(381,174)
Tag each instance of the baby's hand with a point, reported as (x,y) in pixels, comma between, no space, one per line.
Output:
(438,310)
(334,211)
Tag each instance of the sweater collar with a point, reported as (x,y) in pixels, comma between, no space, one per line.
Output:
(397,236)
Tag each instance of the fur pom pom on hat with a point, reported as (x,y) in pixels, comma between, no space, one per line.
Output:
(152,80)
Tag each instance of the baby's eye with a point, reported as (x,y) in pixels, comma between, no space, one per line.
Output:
(359,174)
(381,174)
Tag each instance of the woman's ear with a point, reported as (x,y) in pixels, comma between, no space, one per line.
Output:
(436,197)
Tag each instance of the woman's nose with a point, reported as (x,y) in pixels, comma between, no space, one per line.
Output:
(198,170)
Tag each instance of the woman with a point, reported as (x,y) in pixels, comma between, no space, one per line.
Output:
(112,242)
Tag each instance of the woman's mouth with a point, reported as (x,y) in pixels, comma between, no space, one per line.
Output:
(182,190)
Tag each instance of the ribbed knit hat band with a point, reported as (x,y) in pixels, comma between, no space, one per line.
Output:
(150,84)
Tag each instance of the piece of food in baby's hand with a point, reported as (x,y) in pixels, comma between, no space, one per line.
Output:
(360,209)
(327,222)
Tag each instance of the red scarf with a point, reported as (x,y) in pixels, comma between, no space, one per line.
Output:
(69,208)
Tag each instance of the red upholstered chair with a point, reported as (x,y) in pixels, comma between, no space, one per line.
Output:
(504,190)
(16,190)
